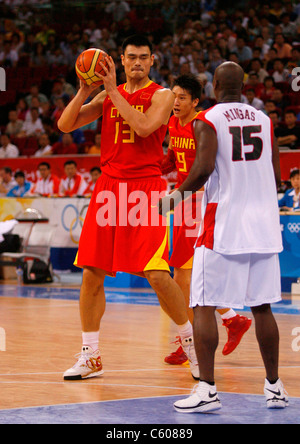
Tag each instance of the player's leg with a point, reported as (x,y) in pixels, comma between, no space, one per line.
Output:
(204,397)
(92,307)
(183,278)
(172,302)
(268,339)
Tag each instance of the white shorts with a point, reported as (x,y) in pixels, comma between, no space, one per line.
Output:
(233,281)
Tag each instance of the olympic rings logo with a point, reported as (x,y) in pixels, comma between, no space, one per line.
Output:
(77,219)
(294,227)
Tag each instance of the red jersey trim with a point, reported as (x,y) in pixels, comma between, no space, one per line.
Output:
(204,119)
(272,133)
(207,237)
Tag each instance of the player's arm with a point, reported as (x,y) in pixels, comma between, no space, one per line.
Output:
(76,114)
(169,162)
(202,168)
(276,161)
(146,123)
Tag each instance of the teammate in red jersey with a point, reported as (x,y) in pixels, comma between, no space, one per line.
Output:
(181,155)
(114,238)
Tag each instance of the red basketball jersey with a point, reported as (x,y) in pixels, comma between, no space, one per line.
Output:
(183,144)
(124,154)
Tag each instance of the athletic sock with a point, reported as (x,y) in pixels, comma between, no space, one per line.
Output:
(91,339)
(185,330)
(229,314)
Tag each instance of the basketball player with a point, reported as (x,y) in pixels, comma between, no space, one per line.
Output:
(236,256)
(184,136)
(135,117)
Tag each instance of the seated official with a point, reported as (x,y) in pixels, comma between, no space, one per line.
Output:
(291,199)
(22,188)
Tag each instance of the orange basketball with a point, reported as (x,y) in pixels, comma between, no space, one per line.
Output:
(87,63)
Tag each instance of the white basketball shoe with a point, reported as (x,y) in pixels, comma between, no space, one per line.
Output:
(88,365)
(276,396)
(204,398)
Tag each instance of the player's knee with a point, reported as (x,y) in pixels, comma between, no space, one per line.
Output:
(157,279)
(93,277)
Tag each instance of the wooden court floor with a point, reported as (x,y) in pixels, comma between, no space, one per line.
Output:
(43,335)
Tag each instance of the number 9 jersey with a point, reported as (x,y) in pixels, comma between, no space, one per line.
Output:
(240,204)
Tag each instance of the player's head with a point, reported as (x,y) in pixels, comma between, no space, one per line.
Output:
(137,57)
(187,90)
(44,169)
(228,81)
(295,178)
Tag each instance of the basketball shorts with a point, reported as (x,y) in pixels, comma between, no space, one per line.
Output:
(186,224)
(122,230)
(234,281)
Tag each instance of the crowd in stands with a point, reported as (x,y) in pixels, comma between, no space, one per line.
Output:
(38,49)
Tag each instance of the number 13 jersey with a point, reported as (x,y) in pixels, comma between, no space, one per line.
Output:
(124,154)
(240,203)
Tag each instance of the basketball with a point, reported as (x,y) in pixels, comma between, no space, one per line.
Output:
(87,63)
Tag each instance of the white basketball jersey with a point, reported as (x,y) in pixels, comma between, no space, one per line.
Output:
(240,203)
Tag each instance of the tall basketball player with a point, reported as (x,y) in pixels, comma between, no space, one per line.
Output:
(236,257)
(184,137)
(134,124)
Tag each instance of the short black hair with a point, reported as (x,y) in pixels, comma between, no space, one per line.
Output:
(95,169)
(19,174)
(290,111)
(294,173)
(46,164)
(70,162)
(137,40)
(190,83)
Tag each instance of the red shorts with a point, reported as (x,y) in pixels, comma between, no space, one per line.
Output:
(187,221)
(122,230)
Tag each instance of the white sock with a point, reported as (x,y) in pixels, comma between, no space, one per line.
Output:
(91,339)
(229,314)
(185,330)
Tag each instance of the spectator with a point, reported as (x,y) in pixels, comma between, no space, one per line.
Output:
(7,182)
(58,110)
(96,148)
(48,184)
(243,51)
(280,100)
(274,116)
(252,100)
(268,88)
(289,29)
(269,59)
(93,32)
(14,125)
(280,74)
(22,188)
(73,183)
(254,83)
(257,66)
(291,199)
(48,129)
(7,149)
(284,50)
(95,173)
(8,56)
(33,127)
(290,136)
(119,10)
(38,55)
(35,92)
(66,146)
(45,149)
(270,106)
(22,109)
(44,34)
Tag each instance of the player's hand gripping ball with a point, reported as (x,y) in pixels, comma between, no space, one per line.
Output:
(88,62)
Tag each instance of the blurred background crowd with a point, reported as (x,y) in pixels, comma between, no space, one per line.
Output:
(41,40)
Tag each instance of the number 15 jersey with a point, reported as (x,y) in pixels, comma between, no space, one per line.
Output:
(240,203)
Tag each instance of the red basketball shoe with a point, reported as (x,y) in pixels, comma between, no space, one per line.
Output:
(236,328)
(178,357)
